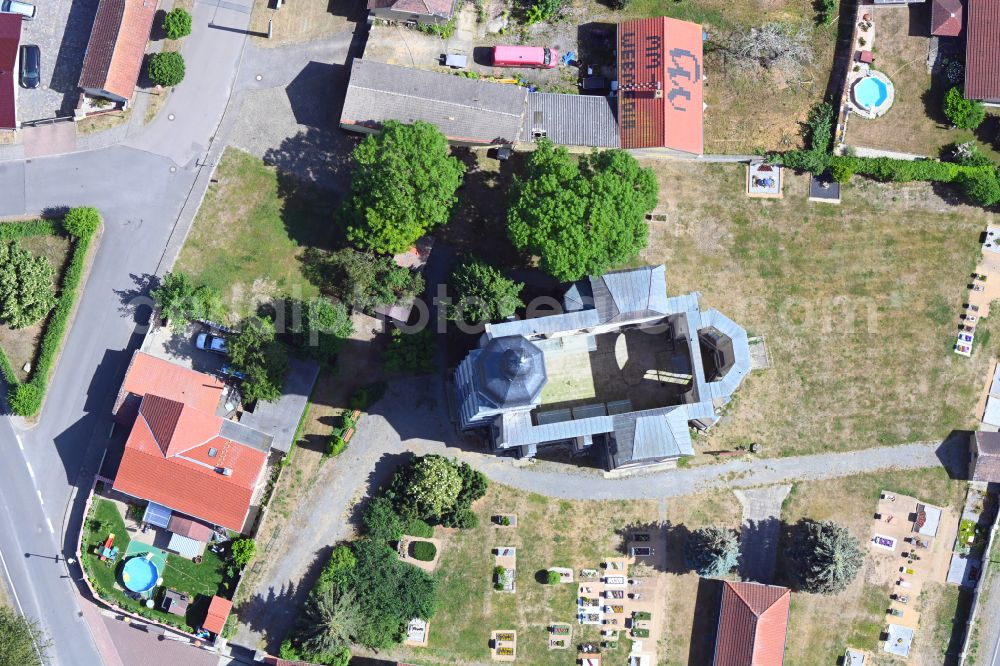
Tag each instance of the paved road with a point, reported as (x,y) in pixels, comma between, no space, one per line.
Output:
(141,189)
(412,419)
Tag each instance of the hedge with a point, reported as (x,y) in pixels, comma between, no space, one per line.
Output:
(26,399)
(12,230)
(418,528)
(423,550)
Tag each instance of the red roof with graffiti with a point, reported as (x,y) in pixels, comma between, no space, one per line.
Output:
(660,82)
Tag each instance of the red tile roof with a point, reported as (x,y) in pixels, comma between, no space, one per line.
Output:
(117,46)
(982,56)
(218,613)
(10,40)
(660,79)
(753,623)
(181,472)
(148,374)
(946,18)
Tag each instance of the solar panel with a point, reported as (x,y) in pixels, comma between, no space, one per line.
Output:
(157,515)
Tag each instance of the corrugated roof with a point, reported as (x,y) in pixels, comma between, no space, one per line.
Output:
(560,323)
(117,45)
(661,53)
(982,55)
(946,18)
(465,110)
(190,528)
(660,435)
(571,120)
(753,624)
(10,40)
(638,292)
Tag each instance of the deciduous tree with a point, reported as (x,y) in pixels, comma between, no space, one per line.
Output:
(483,294)
(403,186)
(581,218)
(26,290)
(22,642)
(82,222)
(167,68)
(427,488)
(963,113)
(177,23)
(256,353)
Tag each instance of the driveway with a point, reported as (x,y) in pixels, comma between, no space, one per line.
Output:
(61,29)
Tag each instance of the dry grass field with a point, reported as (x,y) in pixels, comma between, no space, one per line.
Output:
(858,304)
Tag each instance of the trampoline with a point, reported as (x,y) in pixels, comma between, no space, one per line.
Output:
(140,574)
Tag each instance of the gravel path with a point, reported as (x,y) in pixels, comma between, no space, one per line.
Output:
(412,419)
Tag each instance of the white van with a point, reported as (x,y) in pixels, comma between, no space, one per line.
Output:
(26,10)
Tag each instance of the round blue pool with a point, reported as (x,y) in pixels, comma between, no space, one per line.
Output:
(870,92)
(139,574)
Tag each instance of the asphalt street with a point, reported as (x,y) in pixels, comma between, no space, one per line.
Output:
(140,189)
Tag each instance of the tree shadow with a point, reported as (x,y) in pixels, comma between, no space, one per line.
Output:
(135,300)
(759,540)
(666,539)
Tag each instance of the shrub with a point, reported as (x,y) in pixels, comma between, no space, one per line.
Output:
(463,519)
(177,23)
(483,294)
(425,551)
(166,69)
(243,551)
(553,577)
(381,522)
(969,154)
(335,445)
(25,399)
(963,113)
(418,528)
(82,222)
(12,230)
(26,291)
(981,186)
(819,134)
(841,172)
(827,11)
(410,352)
(505,521)
(640,633)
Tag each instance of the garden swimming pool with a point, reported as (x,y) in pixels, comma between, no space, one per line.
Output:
(872,94)
(139,574)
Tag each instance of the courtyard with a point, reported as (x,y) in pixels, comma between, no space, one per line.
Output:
(643,367)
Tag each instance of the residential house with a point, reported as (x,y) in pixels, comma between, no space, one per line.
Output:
(982,57)
(10,42)
(624,370)
(753,625)
(984,457)
(116,49)
(181,456)
(424,12)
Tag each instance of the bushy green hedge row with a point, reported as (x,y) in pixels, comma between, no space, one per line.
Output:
(901,171)
(26,398)
(12,230)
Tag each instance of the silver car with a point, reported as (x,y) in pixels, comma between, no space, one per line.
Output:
(25,9)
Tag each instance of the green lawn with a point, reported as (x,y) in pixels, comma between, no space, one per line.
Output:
(250,233)
(201,581)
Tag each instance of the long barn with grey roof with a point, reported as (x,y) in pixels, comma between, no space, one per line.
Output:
(467,111)
(625,371)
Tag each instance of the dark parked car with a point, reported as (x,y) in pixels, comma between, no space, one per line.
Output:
(31,66)
(212,343)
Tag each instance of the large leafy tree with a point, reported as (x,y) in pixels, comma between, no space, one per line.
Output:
(825,556)
(331,621)
(483,294)
(319,326)
(26,291)
(712,551)
(390,593)
(256,353)
(428,488)
(403,185)
(981,185)
(963,113)
(362,279)
(181,301)
(581,218)
(21,640)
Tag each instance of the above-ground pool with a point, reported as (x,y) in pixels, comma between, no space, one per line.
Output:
(872,94)
(139,574)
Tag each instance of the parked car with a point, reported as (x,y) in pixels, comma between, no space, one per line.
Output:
(25,9)
(640,551)
(539,57)
(31,66)
(212,343)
